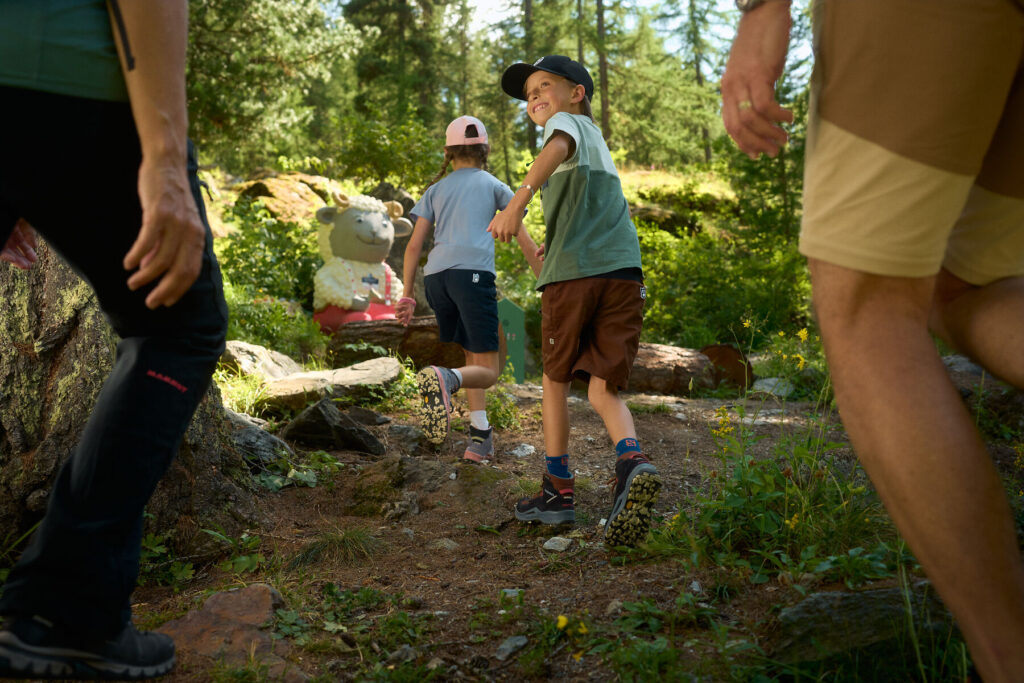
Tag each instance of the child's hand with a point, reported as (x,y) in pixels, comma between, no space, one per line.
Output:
(404,309)
(539,253)
(504,226)
(20,249)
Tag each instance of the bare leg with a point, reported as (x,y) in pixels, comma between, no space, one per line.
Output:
(555,414)
(986,323)
(479,373)
(612,409)
(917,442)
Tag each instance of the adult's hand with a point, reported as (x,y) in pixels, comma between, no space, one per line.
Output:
(169,248)
(749,109)
(20,249)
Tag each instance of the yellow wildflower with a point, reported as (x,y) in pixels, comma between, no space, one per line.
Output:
(582,629)
(792,521)
(746,323)
(781,333)
(802,334)
(578,655)
(563,621)
(800,361)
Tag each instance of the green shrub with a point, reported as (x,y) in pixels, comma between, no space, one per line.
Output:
(270,257)
(274,324)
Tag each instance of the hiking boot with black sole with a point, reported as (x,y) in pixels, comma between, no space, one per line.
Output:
(481,446)
(436,385)
(553,505)
(34,648)
(636,490)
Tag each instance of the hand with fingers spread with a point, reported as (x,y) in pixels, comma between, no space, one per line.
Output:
(749,109)
(404,309)
(20,249)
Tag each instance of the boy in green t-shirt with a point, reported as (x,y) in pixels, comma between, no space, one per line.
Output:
(593,294)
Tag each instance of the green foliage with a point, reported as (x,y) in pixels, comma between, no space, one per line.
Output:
(290,624)
(275,325)
(270,257)
(251,75)
(158,565)
(7,554)
(244,556)
(347,546)
(700,287)
(289,471)
(375,149)
(502,407)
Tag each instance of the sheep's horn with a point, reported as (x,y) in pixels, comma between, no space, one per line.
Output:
(395,209)
(341,200)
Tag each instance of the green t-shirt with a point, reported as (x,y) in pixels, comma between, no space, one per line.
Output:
(589,231)
(60,46)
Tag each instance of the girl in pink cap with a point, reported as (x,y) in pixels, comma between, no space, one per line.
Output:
(459,281)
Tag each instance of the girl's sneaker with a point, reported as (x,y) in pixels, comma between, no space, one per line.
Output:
(481,445)
(437,385)
(636,490)
(553,505)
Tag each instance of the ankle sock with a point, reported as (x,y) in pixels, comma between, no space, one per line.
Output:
(627,445)
(478,419)
(558,466)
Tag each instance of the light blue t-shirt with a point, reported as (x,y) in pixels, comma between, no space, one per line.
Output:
(461,206)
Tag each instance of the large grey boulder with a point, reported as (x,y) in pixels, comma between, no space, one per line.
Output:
(57,350)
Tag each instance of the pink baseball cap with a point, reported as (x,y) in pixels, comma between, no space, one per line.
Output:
(465,130)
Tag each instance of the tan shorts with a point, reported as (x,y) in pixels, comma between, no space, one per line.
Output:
(591,327)
(915,138)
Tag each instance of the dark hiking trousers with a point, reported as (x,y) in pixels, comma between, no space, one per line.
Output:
(69,166)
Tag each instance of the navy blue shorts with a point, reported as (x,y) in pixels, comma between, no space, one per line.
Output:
(465,303)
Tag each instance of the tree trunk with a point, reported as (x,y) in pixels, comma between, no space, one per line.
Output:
(602,62)
(579,31)
(531,137)
(697,42)
(57,350)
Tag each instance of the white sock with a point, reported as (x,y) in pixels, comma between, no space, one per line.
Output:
(458,375)
(478,419)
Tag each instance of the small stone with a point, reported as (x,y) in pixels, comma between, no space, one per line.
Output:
(444,544)
(511,592)
(408,533)
(402,655)
(613,608)
(453,476)
(510,647)
(523,450)
(776,386)
(558,544)
(435,663)
(696,588)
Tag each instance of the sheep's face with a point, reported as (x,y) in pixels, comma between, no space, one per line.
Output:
(359,230)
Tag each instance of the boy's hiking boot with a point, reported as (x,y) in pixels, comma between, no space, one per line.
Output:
(636,489)
(437,385)
(553,505)
(481,445)
(35,648)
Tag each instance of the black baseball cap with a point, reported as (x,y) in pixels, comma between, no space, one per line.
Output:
(513,81)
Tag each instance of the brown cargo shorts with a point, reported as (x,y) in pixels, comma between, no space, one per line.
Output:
(591,327)
(915,139)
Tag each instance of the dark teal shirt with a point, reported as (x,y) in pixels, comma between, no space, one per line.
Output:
(60,46)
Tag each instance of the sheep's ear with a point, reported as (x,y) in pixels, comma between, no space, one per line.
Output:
(326,214)
(403,227)
(341,200)
(395,210)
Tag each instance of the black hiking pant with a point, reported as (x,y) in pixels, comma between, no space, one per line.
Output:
(69,166)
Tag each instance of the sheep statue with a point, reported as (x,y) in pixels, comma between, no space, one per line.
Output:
(354,239)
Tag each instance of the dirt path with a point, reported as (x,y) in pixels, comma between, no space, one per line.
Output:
(455,564)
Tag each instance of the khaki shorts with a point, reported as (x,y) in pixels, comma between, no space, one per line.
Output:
(915,138)
(591,327)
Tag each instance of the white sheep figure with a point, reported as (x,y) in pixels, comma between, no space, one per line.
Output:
(355,283)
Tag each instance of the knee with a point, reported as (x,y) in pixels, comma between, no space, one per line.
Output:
(599,393)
